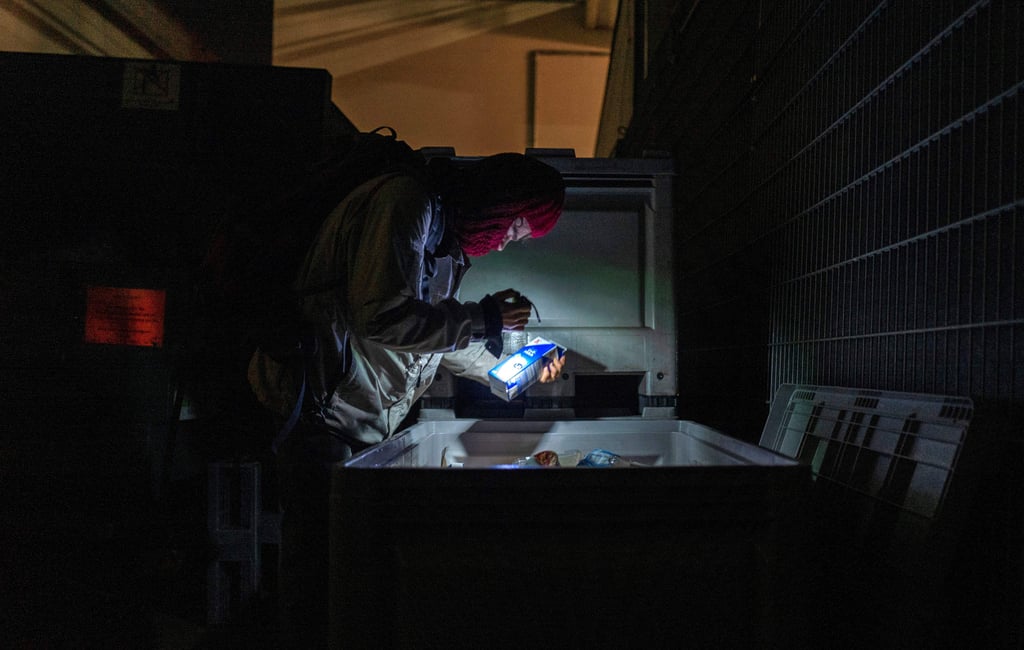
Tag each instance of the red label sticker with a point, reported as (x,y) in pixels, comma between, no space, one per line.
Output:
(119,316)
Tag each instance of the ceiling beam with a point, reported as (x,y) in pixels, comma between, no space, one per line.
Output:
(348,38)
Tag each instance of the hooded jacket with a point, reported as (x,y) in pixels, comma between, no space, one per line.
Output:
(380,289)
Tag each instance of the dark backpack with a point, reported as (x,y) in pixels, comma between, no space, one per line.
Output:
(243,294)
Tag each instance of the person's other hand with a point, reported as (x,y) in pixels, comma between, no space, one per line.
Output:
(515,309)
(552,369)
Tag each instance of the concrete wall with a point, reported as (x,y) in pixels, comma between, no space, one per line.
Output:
(475,94)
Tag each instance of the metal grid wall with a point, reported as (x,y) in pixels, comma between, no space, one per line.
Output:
(850,212)
(850,195)
(890,193)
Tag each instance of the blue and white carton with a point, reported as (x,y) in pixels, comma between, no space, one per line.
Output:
(522,368)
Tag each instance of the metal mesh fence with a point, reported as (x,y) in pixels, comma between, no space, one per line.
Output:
(892,199)
(850,195)
(850,212)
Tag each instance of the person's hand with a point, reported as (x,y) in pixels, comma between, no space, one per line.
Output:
(515,309)
(552,369)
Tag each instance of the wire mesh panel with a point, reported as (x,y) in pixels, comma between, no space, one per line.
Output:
(850,212)
(850,195)
(897,228)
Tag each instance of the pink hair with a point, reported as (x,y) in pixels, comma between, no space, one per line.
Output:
(496,191)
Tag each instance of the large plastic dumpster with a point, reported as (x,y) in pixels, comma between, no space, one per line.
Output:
(693,541)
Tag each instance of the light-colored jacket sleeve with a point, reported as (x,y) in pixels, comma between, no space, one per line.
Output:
(473,362)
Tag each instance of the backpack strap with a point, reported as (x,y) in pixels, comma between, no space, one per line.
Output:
(293,418)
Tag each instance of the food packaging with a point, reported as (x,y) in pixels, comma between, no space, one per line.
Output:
(522,368)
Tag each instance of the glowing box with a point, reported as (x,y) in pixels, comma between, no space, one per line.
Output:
(522,368)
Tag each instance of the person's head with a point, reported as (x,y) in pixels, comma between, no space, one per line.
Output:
(503,198)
